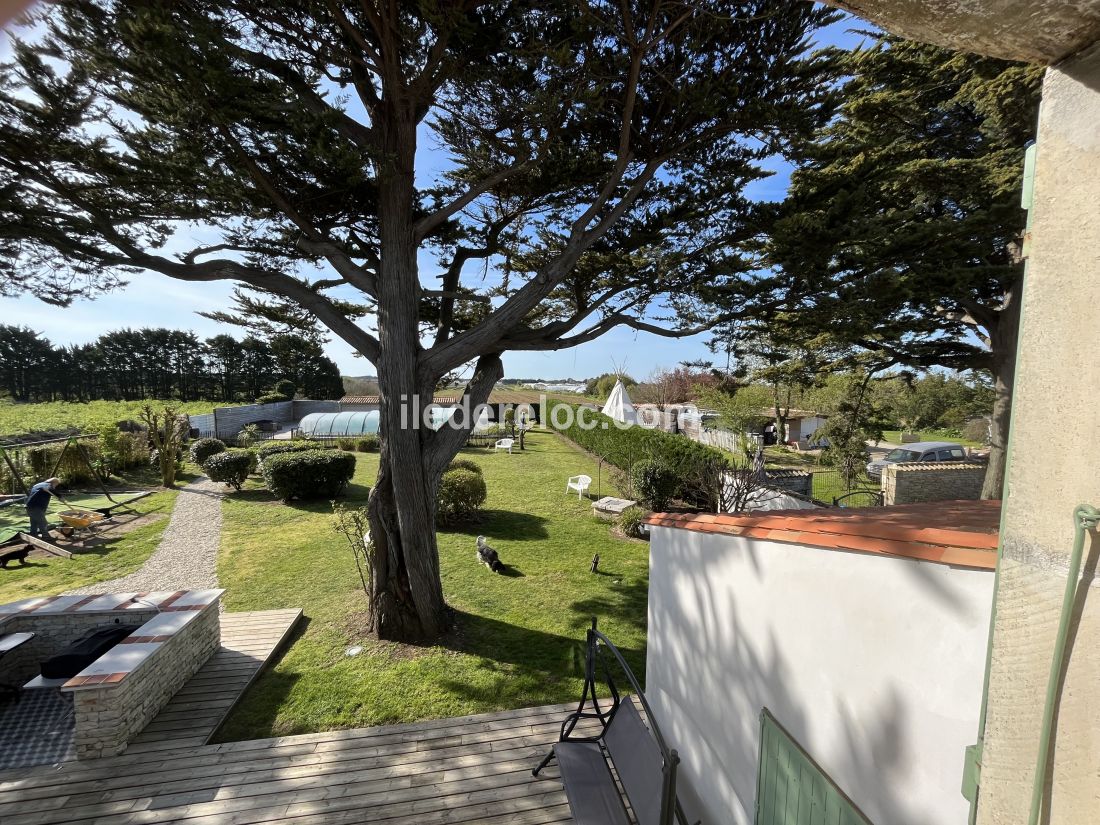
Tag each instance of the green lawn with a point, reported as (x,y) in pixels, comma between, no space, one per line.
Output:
(518,637)
(894,437)
(117,557)
(19,419)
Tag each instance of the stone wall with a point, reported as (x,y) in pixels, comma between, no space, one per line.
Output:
(53,632)
(226,422)
(931,481)
(800,482)
(109,716)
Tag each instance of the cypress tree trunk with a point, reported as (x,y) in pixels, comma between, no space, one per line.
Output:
(1002,342)
(407,596)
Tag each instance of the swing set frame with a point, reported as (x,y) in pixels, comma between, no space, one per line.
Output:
(72,442)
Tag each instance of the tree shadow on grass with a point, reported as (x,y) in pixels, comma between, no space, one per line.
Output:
(626,600)
(521,661)
(504,525)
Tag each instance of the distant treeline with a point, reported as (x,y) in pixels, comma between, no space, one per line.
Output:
(131,365)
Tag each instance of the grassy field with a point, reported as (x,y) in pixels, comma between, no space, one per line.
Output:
(518,639)
(894,437)
(20,419)
(117,557)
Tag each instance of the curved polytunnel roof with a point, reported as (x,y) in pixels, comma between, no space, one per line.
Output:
(336,425)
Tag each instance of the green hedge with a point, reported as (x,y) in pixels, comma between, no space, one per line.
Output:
(698,468)
(276,447)
(230,467)
(203,448)
(308,474)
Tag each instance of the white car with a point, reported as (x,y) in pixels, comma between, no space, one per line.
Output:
(918,451)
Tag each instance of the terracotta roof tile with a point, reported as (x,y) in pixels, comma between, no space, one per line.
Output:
(961,533)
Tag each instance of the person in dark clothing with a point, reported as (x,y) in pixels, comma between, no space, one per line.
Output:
(38,501)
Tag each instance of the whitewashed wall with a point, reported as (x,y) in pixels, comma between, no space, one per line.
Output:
(873,663)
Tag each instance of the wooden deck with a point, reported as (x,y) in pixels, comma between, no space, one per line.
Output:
(249,640)
(454,771)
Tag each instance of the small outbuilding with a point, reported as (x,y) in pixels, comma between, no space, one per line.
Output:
(849,641)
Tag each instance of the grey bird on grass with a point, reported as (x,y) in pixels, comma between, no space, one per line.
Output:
(488,556)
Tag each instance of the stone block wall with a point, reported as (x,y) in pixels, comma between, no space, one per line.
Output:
(932,481)
(53,632)
(109,716)
(799,482)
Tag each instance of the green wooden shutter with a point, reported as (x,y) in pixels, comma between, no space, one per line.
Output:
(792,789)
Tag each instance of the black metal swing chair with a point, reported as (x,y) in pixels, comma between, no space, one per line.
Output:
(645,765)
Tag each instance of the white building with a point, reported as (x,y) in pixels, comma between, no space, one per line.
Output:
(863,632)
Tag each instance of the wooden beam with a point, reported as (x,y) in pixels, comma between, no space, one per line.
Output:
(42,544)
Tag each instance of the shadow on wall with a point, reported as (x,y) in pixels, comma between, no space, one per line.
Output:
(716,662)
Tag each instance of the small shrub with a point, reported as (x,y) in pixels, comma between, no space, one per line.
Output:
(203,448)
(271,398)
(368,444)
(461,494)
(307,473)
(249,435)
(286,388)
(346,444)
(229,467)
(119,450)
(464,464)
(654,483)
(630,522)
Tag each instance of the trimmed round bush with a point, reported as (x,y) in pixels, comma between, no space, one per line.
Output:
(461,494)
(368,444)
(308,473)
(346,444)
(464,464)
(230,467)
(275,447)
(654,483)
(203,448)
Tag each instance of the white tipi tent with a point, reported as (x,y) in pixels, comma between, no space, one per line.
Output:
(618,405)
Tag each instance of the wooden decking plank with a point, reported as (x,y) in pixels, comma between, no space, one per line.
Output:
(474,769)
(532,747)
(350,790)
(423,735)
(300,743)
(261,635)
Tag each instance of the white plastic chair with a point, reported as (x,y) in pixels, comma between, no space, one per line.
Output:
(579,483)
(505,444)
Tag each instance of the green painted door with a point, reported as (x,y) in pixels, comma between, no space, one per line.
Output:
(792,789)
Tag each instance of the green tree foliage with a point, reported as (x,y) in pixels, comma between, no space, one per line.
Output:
(137,364)
(901,233)
(935,400)
(597,155)
(601,386)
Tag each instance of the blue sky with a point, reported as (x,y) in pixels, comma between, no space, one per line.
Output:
(153,300)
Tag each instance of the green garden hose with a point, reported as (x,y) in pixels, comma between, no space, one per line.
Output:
(1085,518)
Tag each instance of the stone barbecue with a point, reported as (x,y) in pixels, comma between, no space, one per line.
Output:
(117,695)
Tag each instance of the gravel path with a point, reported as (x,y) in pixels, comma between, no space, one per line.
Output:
(187,555)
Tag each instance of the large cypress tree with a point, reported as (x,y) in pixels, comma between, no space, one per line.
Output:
(596,154)
(902,230)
